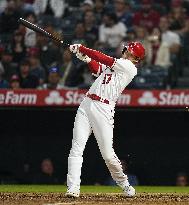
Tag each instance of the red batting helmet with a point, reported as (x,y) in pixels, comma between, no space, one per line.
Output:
(136,48)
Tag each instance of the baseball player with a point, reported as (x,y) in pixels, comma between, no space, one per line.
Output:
(96,112)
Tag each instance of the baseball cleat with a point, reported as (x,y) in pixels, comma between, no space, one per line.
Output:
(72,194)
(129,191)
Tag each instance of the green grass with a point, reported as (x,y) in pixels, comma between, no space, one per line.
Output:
(90,189)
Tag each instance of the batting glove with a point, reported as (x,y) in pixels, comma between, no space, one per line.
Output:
(83,57)
(74,48)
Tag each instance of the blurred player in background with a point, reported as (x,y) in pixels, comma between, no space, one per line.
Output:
(96,112)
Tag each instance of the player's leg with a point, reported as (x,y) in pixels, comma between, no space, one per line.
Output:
(81,133)
(102,125)
(104,136)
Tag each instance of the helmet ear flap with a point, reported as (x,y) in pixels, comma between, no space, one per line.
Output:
(124,49)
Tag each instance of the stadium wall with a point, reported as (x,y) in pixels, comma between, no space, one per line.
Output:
(155,143)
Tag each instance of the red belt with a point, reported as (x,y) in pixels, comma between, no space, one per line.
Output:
(98,98)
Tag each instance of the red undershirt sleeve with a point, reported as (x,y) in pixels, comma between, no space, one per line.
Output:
(97,56)
(94,66)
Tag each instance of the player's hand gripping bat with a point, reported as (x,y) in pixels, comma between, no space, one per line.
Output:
(42,31)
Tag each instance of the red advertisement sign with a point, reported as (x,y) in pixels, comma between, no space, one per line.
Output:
(129,98)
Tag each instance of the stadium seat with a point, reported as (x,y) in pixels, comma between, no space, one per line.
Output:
(148,82)
(151,77)
(183,82)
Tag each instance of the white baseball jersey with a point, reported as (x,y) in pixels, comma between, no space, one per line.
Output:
(94,116)
(112,81)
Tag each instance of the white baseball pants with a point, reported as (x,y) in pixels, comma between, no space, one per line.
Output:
(97,117)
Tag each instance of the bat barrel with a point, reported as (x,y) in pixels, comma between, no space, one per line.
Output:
(40,30)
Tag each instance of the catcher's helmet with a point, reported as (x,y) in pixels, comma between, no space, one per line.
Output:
(136,48)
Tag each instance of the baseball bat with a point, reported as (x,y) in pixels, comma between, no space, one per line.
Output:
(38,29)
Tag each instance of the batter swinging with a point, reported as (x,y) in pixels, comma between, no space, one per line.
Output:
(96,112)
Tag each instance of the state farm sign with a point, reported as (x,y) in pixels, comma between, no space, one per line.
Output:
(168,98)
(31,97)
(164,98)
(70,98)
(74,97)
(12,98)
(129,98)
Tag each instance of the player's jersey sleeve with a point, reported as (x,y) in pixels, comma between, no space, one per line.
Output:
(125,66)
(96,68)
(97,56)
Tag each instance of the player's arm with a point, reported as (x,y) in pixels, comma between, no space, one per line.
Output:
(95,67)
(93,54)
(97,56)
